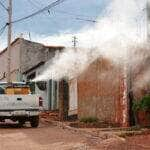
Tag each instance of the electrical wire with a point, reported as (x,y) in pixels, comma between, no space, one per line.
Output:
(36,5)
(32,3)
(40,11)
(3,29)
(3,6)
(88,20)
(78,17)
(73,16)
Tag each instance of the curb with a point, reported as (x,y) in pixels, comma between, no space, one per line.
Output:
(67,127)
(120,133)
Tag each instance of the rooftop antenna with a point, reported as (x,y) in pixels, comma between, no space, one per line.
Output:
(29,36)
(74,41)
(21,35)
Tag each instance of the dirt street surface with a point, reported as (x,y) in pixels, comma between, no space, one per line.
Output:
(50,137)
(140,142)
(45,137)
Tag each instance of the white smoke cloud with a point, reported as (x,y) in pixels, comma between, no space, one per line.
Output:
(117,32)
(142,80)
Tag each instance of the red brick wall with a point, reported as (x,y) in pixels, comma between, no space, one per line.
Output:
(100,92)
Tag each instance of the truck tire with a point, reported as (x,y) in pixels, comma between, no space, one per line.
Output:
(21,122)
(34,121)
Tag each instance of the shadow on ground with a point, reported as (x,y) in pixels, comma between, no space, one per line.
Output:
(13,125)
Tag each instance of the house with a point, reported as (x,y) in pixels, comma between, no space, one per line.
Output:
(101,93)
(107,91)
(98,92)
(28,60)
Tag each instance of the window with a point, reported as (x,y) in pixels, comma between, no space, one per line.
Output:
(41,85)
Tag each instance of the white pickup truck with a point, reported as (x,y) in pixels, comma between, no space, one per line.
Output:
(18,104)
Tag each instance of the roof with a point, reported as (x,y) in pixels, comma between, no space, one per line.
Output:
(12,43)
(17,39)
(49,46)
(36,66)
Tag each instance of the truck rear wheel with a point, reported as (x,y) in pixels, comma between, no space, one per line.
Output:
(21,122)
(34,121)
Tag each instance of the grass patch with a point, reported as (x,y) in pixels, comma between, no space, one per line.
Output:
(89,120)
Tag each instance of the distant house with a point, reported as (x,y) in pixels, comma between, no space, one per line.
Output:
(28,60)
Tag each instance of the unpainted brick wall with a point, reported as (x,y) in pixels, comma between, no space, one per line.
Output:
(100,92)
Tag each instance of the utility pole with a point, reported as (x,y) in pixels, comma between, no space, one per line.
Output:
(9,40)
(148,20)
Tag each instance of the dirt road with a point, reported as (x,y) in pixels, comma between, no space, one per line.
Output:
(46,137)
(50,137)
(140,142)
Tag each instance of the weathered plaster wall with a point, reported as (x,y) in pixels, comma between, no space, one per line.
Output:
(31,55)
(15,63)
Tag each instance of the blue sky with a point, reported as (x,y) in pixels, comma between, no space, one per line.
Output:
(55,22)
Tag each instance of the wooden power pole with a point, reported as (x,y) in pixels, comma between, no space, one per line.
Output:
(9,40)
(148,20)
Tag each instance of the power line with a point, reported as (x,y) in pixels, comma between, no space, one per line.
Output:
(3,6)
(60,11)
(75,16)
(36,5)
(88,20)
(71,14)
(3,29)
(40,11)
(32,3)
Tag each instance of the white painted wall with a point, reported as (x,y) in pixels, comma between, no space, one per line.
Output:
(44,94)
(73,97)
(49,94)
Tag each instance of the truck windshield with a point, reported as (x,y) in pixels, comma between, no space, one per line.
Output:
(2,90)
(14,88)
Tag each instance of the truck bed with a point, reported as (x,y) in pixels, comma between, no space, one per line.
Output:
(19,102)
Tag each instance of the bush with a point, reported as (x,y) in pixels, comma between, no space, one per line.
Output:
(136,106)
(143,104)
(89,120)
